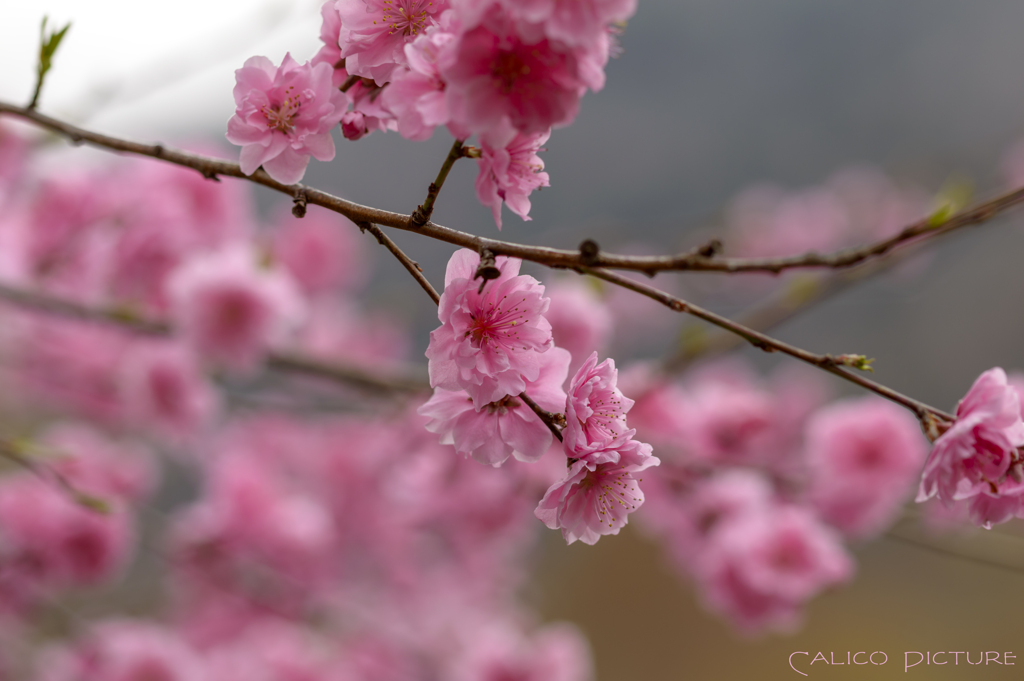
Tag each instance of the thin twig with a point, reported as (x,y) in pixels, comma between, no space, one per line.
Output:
(949,553)
(551,257)
(411,265)
(359,214)
(778,308)
(767,343)
(552,421)
(349,82)
(281,361)
(422,214)
(48,474)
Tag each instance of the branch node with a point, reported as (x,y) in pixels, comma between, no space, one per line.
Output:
(299,204)
(487,270)
(710,249)
(589,252)
(421,215)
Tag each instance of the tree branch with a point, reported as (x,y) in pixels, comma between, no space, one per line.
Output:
(554,422)
(828,363)
(412,266)
(281,361)
(422,214)
(552,257)
(587,260)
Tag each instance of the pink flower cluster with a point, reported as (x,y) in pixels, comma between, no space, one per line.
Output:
(854,206)
(158,242)
(493,346)
(52,538)
(977,459)
(506,71)
(760,484)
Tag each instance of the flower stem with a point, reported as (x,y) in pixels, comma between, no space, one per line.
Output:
(422,213)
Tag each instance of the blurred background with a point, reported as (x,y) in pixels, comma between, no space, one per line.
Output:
(708,98)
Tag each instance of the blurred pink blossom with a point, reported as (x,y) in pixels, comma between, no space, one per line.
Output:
(230,310)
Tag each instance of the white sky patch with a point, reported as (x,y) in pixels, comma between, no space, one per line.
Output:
(149,69)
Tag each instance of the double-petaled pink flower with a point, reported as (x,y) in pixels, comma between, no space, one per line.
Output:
(492,332)
(284,115)
(510,170)
(595,413)
(374,33)
(596,499)
(978,455)
(504,428)
(499,67)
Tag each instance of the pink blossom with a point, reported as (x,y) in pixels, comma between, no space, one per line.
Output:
(876,206)
(57,541)
(660,410)
(73,366)
(127,650)
(348,334)
(504,428)
(94,464)
(556,652)
(986,510)
(164,388)
(416,92)
(510,170)
(495,71)
(978,454)
(573,22)
(715,503)
(730,419)
(230,310)
(284,115)
(770,222)
(580,321)
(13,153)
(252,526)
(864,456)
(489,341)
(368,112)
(330,53)
(375,32)
(762,567)
(596,499)
(274,650)
(595,412)
(323,251)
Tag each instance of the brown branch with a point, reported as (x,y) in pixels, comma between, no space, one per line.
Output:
(281,361)
(554,422)
(412,266)
(778,308)
(15,452)
(359,214)
(421,215)
(551,257)
(828,363)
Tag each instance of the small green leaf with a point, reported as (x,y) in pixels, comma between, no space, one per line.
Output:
(48,44)
(954,196)
(92,503)
(859,362)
